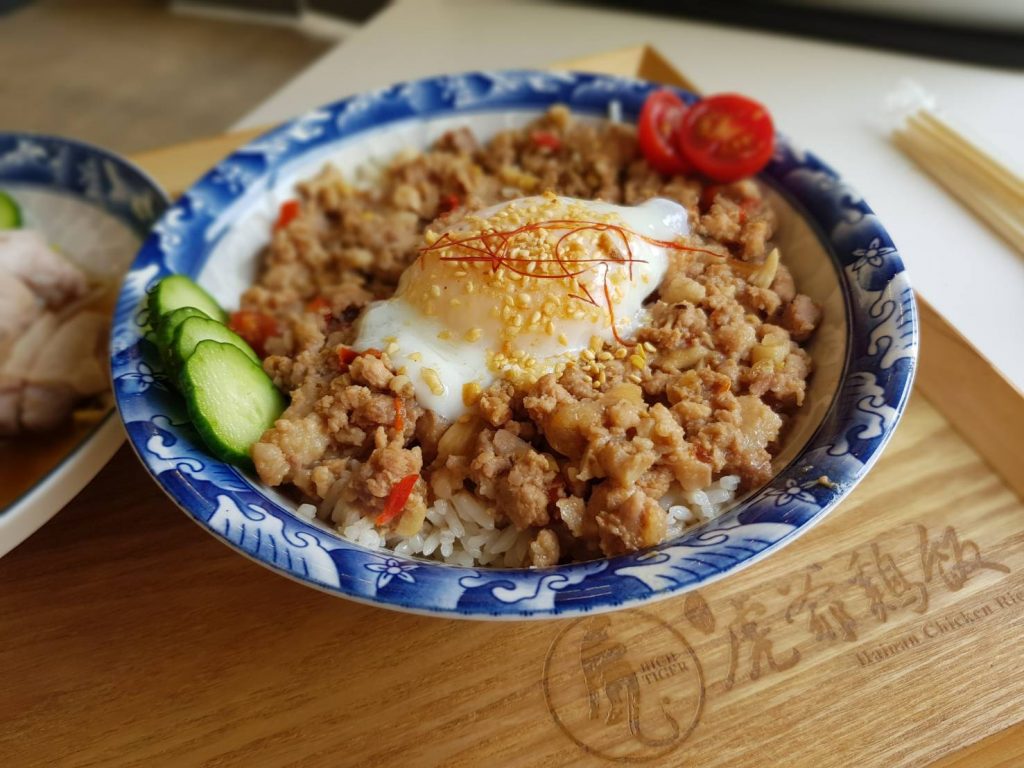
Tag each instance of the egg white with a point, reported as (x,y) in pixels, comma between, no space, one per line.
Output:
(423,344)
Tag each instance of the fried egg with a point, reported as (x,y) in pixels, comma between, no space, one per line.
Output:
(517,289)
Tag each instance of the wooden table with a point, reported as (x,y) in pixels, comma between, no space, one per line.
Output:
(131,638)
(889,635)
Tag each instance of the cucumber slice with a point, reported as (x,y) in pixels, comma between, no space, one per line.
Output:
(176,291)
(10,213)
(194,330)
(165,334)
(231,400)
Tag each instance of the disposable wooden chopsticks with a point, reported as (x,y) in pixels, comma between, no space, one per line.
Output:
(988,188)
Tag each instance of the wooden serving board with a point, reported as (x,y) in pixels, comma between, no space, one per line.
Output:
(889,635)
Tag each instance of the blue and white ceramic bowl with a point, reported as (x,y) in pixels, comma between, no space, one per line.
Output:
(95,208)
(865,354)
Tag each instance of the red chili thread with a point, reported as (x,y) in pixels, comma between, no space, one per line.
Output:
(483,249)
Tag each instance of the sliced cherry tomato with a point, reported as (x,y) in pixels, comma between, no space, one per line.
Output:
(727,136)
(658,133)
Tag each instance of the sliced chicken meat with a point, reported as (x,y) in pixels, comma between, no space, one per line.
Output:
(25,255)
(15,368)
(51,368)
(18,308)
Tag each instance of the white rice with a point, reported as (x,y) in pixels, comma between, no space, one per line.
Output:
(462,531)
(615,111)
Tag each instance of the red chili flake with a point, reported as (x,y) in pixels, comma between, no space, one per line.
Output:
(289,210)
(449,203)
(345,356)
(254,327)
(397,499)
(399,415)
(320,305)
(546,140)
(554,492)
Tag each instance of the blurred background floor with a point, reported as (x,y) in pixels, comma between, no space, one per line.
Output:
(131,75)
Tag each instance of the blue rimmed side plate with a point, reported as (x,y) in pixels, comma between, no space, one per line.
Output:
(80,197)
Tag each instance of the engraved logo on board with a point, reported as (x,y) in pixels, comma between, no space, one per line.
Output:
(624,686)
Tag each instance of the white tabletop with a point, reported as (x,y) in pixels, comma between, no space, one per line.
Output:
(826,97)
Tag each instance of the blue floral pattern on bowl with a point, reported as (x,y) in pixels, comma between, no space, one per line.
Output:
(84,171)
(882,350)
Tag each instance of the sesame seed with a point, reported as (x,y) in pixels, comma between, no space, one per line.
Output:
(635,378)
(523,300)
(650,347)
(549,328)
(474,334)
(604,356)
(587,354)
(470,287)
(535,318)
(444,335)
(391,348)
(460,273)
(470,393)
(620,353)
(636,361)
(435,291)
(432,380)
(563,340)
(415,357)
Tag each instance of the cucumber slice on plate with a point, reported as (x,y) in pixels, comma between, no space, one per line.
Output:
(231,401)
(193,330)
(177,291)
(165,334)
(10,213)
